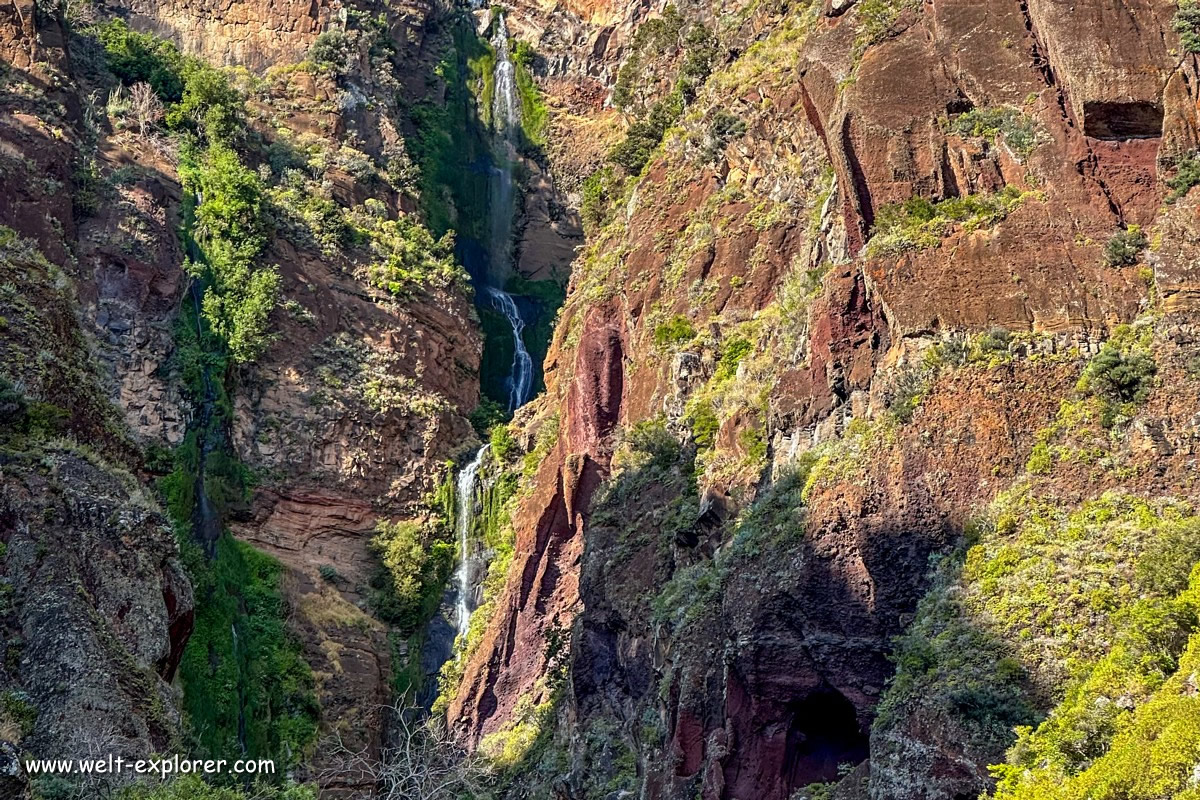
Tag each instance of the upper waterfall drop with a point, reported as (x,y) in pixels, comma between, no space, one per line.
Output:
(506,130)
(506,108)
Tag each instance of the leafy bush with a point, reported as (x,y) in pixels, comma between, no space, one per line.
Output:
(330,51)
(199,98)
(1123,377)
(917,224)
(486,415)
(643,136)
(139,57)
(733,350)
(406,256)
(1186,176)
(504,446)
(1125,248)
(1016,127)
(674,331)
(230,226)
(657,446)
(702,418)
(993,342)
(417,565)
(1187,24)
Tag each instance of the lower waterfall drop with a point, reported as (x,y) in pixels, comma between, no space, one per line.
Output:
(464,512)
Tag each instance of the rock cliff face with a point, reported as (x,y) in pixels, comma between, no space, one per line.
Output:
(760,664)
(869,416)
(96,607)
(347,419)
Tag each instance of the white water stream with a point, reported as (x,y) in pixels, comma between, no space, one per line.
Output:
(506,124)
(465,518)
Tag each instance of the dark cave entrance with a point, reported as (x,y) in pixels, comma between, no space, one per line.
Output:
(824,734)
(1136,120)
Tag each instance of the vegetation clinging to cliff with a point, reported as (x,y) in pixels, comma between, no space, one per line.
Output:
(919,223)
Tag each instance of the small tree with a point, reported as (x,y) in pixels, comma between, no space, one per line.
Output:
(1125,248)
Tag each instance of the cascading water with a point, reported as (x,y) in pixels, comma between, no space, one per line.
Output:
(506,126)
(520,379)
(465,519)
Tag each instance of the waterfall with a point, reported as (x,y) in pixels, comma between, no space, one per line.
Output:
(506,110)
(465,518)
(506,129)
(520,379)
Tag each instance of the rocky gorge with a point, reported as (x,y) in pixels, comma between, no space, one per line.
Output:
(734,400)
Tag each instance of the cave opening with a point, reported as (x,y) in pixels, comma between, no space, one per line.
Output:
(824,735)
(1118,121)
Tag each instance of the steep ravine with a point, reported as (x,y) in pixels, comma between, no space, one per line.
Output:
(846,313)
(849,455)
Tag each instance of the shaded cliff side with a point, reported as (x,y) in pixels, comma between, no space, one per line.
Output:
(813,344)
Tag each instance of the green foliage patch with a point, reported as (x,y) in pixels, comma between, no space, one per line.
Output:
(193,788)
(1125,247)
(1187,24)
(1186,176)
(675,331)
(246,686)
(231,228)
(418,562)
(1016,127)
(918,224)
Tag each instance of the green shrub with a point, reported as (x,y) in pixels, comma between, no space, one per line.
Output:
(658,446)
(330,51)
(674,331)
(602,190)
(918,224)
(1016,127)
(643,137)
(993,342)
(1186,176)
(733,350)
(702,418)
(230,226)
(142,58)
(1125,248)
(417,565)
(1124,377)
(1187,24)
(199,98)
(487,415)
(405,255)
(504,446)
(875,20)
